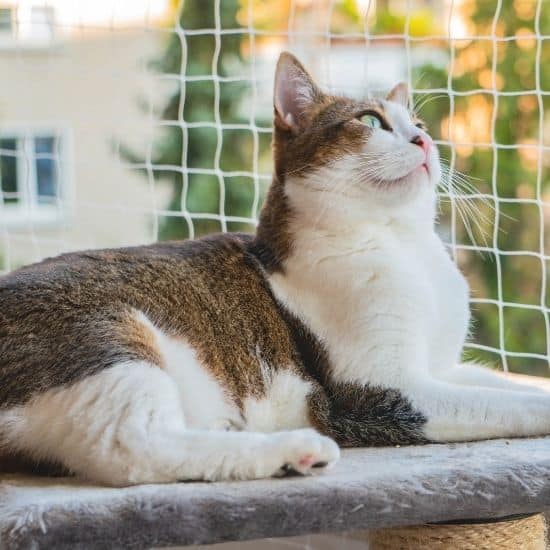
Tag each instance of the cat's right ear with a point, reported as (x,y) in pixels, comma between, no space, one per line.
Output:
(295,92)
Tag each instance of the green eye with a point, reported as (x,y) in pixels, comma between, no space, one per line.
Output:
(371,121)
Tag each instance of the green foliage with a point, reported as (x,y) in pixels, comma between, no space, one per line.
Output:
(420,23)
(517,227)
(205,147)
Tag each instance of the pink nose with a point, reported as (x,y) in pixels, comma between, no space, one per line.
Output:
(425,143)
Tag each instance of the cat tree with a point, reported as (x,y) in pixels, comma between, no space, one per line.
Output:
(474,495)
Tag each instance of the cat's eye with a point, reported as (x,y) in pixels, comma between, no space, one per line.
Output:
(420,125)
(372,121)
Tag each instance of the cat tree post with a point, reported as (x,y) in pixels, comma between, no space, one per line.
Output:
(527,533)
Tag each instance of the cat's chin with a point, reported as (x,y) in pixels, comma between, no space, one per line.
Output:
(420,175)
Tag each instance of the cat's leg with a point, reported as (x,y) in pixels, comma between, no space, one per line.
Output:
(475,375)
(460,413)
(452,411)
(125,425)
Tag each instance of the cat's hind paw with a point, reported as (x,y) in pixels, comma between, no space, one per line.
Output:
(301,451)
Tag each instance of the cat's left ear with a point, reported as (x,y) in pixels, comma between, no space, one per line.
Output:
(294,93)
(401,94)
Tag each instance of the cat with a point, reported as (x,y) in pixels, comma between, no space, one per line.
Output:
(339,323)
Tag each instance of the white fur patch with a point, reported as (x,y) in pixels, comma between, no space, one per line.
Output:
(284,405)
(125,425)
(206,404)
(97,426)
(204,400)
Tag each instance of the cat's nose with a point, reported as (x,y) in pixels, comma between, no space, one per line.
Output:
(421,142)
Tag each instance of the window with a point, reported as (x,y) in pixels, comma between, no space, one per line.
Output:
(42,23)
(30,24)
(46,172)
(7,17)
(8,169)
(31,178)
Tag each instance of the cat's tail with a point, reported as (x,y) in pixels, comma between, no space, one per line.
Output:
(356,415)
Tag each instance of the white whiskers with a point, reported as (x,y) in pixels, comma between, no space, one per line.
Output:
(465,196)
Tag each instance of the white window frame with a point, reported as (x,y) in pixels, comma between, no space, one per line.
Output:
(22,36)
(28,211)
(13,10)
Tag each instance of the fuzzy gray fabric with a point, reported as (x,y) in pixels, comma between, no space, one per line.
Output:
(367,488)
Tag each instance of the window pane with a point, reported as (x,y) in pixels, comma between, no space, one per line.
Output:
(42,18)
(46,169)
(6,19)
(8,169)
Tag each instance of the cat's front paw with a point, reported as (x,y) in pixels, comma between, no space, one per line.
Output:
(303,450)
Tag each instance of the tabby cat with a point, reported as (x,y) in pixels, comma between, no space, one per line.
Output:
(340,322)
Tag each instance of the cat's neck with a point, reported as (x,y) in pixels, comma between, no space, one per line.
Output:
(293,212)
(273,240)
(340,215)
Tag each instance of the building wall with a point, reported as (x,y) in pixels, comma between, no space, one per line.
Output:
(88,86)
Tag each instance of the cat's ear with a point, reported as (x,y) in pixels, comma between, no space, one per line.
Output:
(295,92)
(400,93)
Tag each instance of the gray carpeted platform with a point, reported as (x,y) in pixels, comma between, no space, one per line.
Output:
(368,488)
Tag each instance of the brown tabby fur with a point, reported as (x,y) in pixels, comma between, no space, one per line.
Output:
(69,317)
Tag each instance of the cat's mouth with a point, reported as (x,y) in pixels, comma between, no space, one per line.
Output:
(414,175)
(423,168)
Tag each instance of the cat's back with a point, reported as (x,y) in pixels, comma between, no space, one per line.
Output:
(71,316)
(121,267)
(139,276)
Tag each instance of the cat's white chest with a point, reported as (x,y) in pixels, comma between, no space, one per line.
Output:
(449,326)
(377,301)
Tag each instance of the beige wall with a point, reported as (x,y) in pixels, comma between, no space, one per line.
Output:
(89,87)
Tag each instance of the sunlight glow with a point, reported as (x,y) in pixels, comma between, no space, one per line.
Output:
(72,15)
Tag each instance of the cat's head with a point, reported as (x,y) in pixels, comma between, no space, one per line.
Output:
(355,158)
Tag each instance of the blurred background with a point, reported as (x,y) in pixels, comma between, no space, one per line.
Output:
(128,121)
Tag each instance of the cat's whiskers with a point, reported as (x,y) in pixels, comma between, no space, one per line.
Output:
(464,206)
(380,166)
(425,100)
(463,194)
